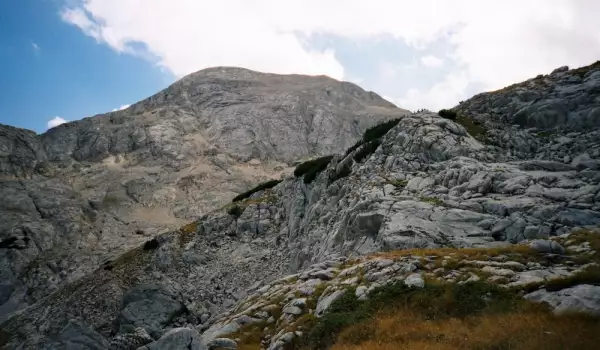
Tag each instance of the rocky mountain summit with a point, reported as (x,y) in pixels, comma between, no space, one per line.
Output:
(87,191)
(489,209)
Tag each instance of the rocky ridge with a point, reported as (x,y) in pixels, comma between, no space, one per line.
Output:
(283,311)
(477,182)
(87,191)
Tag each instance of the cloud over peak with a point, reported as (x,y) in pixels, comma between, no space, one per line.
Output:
(491,43)
(56,121)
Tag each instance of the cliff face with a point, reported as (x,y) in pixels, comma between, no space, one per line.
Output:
(496,175)
(89,190)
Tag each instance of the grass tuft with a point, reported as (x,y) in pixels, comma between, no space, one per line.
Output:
(433,201)
(590,275)
(473,127)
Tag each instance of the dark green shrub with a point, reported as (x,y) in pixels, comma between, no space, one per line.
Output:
(261,187)
(366,150)
(235,211)
(448,114)
(355,146)
(310,169)
(374,133)
(344,172)
(379,130)
(151,244)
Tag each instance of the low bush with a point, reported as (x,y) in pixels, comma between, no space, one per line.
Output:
(151,244)
(366,150)
(374,133)
(399,184)
(379,130)
(344,172)
(235,211)
(353,147)
(310,169)
(448,114)
(260,187)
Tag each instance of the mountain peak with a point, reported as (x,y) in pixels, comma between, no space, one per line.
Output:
(188,202)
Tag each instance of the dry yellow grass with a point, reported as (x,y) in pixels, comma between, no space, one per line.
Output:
(463,253)
(521,330)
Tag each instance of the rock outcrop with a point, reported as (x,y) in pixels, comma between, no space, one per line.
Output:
(514,188)
(87,191)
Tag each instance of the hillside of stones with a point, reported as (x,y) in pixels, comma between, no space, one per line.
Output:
(481,180)
(87,191)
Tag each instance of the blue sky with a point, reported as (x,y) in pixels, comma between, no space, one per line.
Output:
(48,69)
(70,59)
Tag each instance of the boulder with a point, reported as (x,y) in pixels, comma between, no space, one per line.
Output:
(582,298)
(222,344)
(149,306)
(177,339)
(78,336)
(325,302)
(547,246)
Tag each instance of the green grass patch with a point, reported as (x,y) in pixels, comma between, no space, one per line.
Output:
(582,71)
(399,184)
(590,275)
(473,127)
(260,187)
(250,336)
(433,201)
(544,134)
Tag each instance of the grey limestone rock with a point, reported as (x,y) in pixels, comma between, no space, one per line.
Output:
(82,191)
(496,175)
(77,336)
(546,246)
(150,307)
(325,302)
(222,343)
(581,298)
(177,339)
(130,341)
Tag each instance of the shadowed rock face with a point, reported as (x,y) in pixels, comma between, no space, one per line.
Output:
(479,181)
(86,191)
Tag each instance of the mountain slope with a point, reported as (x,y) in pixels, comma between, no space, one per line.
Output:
(89,190)
(422,182)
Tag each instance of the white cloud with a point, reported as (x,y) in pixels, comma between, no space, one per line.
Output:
(121,108)
(431,61)
(35,47)
(444,94)
(56,121)
(493,43)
